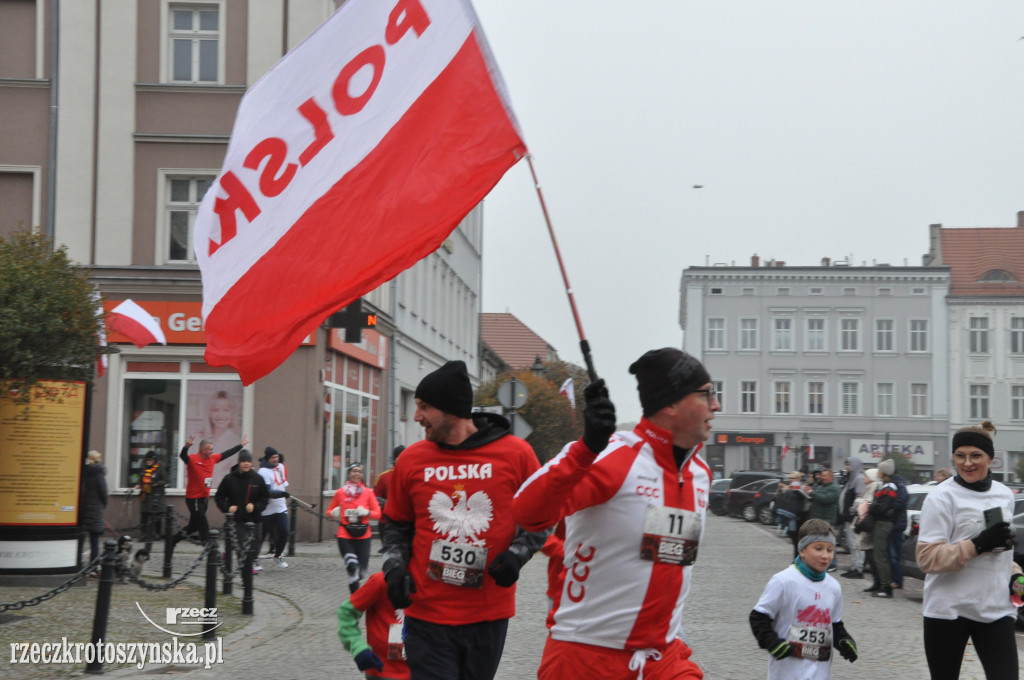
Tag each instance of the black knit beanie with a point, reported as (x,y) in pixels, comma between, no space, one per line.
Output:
(244,455)
(448,389)
(664,376)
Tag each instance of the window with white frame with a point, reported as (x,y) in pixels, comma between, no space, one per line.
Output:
(979,402)
(816,398)
(716,333)
(1017,402)
(885,335)
(815,336)
(194,43)
(849,398)
(719,391)
(748,334)
(783,396)
(1017,334)
(782,335)
(919,335)
(885,399)
(748,396)
(182,195)
(978,335)
(918,399)
(849,335)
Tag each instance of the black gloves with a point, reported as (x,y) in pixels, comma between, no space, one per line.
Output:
(843,642)
(400,587)
(763,628)
(598,416)
(505,568)
(781,650)
(366,660)
(996,536)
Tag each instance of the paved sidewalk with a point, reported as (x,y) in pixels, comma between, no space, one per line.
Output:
(292,633)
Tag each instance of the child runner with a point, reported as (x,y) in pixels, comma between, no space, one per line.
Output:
(799,616)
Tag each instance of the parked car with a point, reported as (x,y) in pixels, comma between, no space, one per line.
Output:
(716,499)
(739,502)
(916,493)
(744,477)
(764,504)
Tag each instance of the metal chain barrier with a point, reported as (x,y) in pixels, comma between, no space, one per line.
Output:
(39,599)
(139,581)
(231,543)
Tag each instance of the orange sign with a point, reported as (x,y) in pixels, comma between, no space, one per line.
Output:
(181,321)
(372,349)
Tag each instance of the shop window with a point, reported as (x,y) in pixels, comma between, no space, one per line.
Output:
(165,402)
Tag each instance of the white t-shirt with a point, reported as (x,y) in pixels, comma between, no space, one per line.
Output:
(980,591)
(276,479)
(803,611)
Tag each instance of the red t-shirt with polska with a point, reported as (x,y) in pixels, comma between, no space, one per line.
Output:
(460,502)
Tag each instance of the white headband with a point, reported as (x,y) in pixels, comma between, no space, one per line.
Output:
(814,538)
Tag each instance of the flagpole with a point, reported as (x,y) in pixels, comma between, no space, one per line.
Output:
(584,345)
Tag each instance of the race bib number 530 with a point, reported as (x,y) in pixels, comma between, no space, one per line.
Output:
(457,564)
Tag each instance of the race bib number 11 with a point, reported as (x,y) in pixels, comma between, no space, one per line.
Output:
(671,536)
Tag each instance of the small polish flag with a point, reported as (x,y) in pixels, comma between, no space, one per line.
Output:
(101,337)
(785,450)
(810,452)
(136,324)
(567,390)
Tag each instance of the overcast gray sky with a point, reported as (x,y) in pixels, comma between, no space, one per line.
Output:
(817,129)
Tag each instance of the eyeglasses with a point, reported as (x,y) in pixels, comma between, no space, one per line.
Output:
(975,457)
(709,394)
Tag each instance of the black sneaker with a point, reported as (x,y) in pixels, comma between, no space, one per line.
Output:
(853,573)
(873,589)
(885,592)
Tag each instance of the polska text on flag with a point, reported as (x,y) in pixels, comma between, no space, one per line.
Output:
(350,160)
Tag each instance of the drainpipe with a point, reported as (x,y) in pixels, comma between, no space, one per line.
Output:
(51,168)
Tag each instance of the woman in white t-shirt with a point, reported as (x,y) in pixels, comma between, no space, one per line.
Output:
(970,574)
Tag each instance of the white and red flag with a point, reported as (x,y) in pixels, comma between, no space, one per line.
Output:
(567,390)
(785,451)
(350,160)
(135,323)
(810,452)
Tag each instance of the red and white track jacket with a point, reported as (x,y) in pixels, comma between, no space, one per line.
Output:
(627,500)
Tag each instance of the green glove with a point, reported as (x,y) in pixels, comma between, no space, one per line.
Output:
(848,649)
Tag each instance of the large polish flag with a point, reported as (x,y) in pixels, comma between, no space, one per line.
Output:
(351,159)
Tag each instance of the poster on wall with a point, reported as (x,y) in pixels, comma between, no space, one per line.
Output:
(42,452)
(214,412)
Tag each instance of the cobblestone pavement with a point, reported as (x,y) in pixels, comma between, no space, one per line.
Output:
(293,631)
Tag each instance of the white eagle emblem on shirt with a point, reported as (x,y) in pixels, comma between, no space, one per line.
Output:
(461,519)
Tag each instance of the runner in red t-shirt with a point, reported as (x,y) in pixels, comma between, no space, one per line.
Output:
(452,552)
(199,470)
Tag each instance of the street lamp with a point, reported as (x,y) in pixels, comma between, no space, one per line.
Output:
(538,368)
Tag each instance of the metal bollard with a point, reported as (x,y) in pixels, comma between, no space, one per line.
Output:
(293,507)
(212,563)
(168,541)
(247,569)
(229,551)
(99,619)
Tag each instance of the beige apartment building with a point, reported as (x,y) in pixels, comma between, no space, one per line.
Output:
(114,120)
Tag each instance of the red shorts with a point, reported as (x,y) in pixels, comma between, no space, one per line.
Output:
(572,660)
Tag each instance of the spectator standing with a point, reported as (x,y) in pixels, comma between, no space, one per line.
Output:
(381,654)
(852,490)
(885,509)
(244,493)
(634,507)
(354,506)
(151,496)
(968,562)
(824,499)
(198,472)
(94,500)
(275,515)
(452,551)
(789,503)
(863,524)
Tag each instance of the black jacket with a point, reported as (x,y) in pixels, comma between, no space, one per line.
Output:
(241,488)
(94,498)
